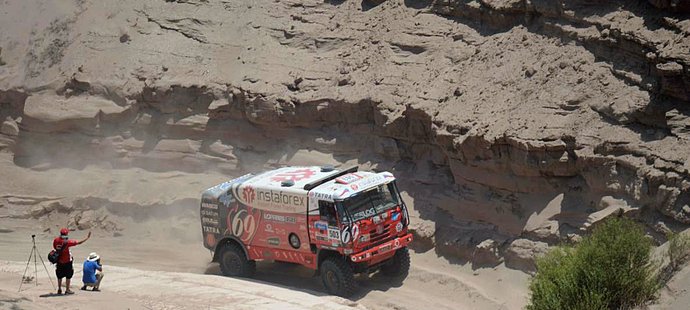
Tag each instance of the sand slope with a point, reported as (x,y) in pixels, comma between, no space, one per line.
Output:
(140,289)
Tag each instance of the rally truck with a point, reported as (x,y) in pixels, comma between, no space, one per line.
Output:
(338,223)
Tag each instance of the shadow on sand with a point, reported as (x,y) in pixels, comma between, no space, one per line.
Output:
(300,278)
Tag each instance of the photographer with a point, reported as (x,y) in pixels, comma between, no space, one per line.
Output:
(91,278)
(65,269)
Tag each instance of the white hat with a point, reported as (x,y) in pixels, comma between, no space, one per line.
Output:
(93,257)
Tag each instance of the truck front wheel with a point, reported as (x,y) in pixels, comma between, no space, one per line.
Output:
(234,263)
(399,265)
(337,276)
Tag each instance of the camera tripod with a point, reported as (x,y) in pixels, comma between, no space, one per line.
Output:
(34,253)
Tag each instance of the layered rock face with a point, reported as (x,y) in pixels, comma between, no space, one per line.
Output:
(510,124)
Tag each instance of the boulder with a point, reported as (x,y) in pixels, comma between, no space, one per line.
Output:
(522,253)
(9,127)
(486,254)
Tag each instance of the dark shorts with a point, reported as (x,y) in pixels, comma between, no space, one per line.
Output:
(64,271)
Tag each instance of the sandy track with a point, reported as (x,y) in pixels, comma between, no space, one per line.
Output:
(275,287)
(141,289)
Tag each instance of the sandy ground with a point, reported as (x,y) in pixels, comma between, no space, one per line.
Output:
(142,289)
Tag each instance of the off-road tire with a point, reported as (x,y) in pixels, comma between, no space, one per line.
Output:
(234,262)
(337,277)
(399,265)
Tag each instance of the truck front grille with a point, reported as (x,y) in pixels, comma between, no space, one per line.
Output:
(376,238)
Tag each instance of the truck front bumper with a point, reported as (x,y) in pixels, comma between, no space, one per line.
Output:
(381,249)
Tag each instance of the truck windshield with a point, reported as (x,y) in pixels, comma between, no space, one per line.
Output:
(371,202)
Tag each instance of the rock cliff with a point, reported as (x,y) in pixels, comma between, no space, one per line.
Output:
(512,124)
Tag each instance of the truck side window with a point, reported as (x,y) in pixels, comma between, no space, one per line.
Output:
(327,212)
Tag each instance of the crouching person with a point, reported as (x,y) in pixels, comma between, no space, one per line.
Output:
(93,272)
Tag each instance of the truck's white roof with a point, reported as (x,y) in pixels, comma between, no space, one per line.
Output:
(272,179)
(350,184)
(268,191)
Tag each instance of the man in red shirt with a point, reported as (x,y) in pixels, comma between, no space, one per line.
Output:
(64,264)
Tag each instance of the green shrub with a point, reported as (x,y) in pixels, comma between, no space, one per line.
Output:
(678,250)
(610,269)
(678,254)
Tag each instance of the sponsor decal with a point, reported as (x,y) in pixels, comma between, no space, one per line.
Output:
(321,225)
(367,182)
(376,219)
(208,205)
(209,213)
(398,227)
(395,216)
(294,175)
(333,234)
(279,218)
(321,196)
(269,228)
(348,178)
(385,248)
(226,199)
(280,197)
(275,241)
(365,213)
(280,231)
(364,238)
(209,221)
(213,230)
(384,215)
(397,243)
(248,194)
(328,247)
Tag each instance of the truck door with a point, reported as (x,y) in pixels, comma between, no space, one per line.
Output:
(327,213)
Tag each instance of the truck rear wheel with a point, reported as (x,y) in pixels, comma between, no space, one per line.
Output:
(337,276)
(399,265)
(234,263)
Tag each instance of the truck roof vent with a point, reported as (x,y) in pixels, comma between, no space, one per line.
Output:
(327,168)
(287,183)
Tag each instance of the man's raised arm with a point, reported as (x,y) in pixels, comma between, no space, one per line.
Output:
(87,238)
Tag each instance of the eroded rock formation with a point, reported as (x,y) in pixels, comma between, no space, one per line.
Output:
(511,124)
